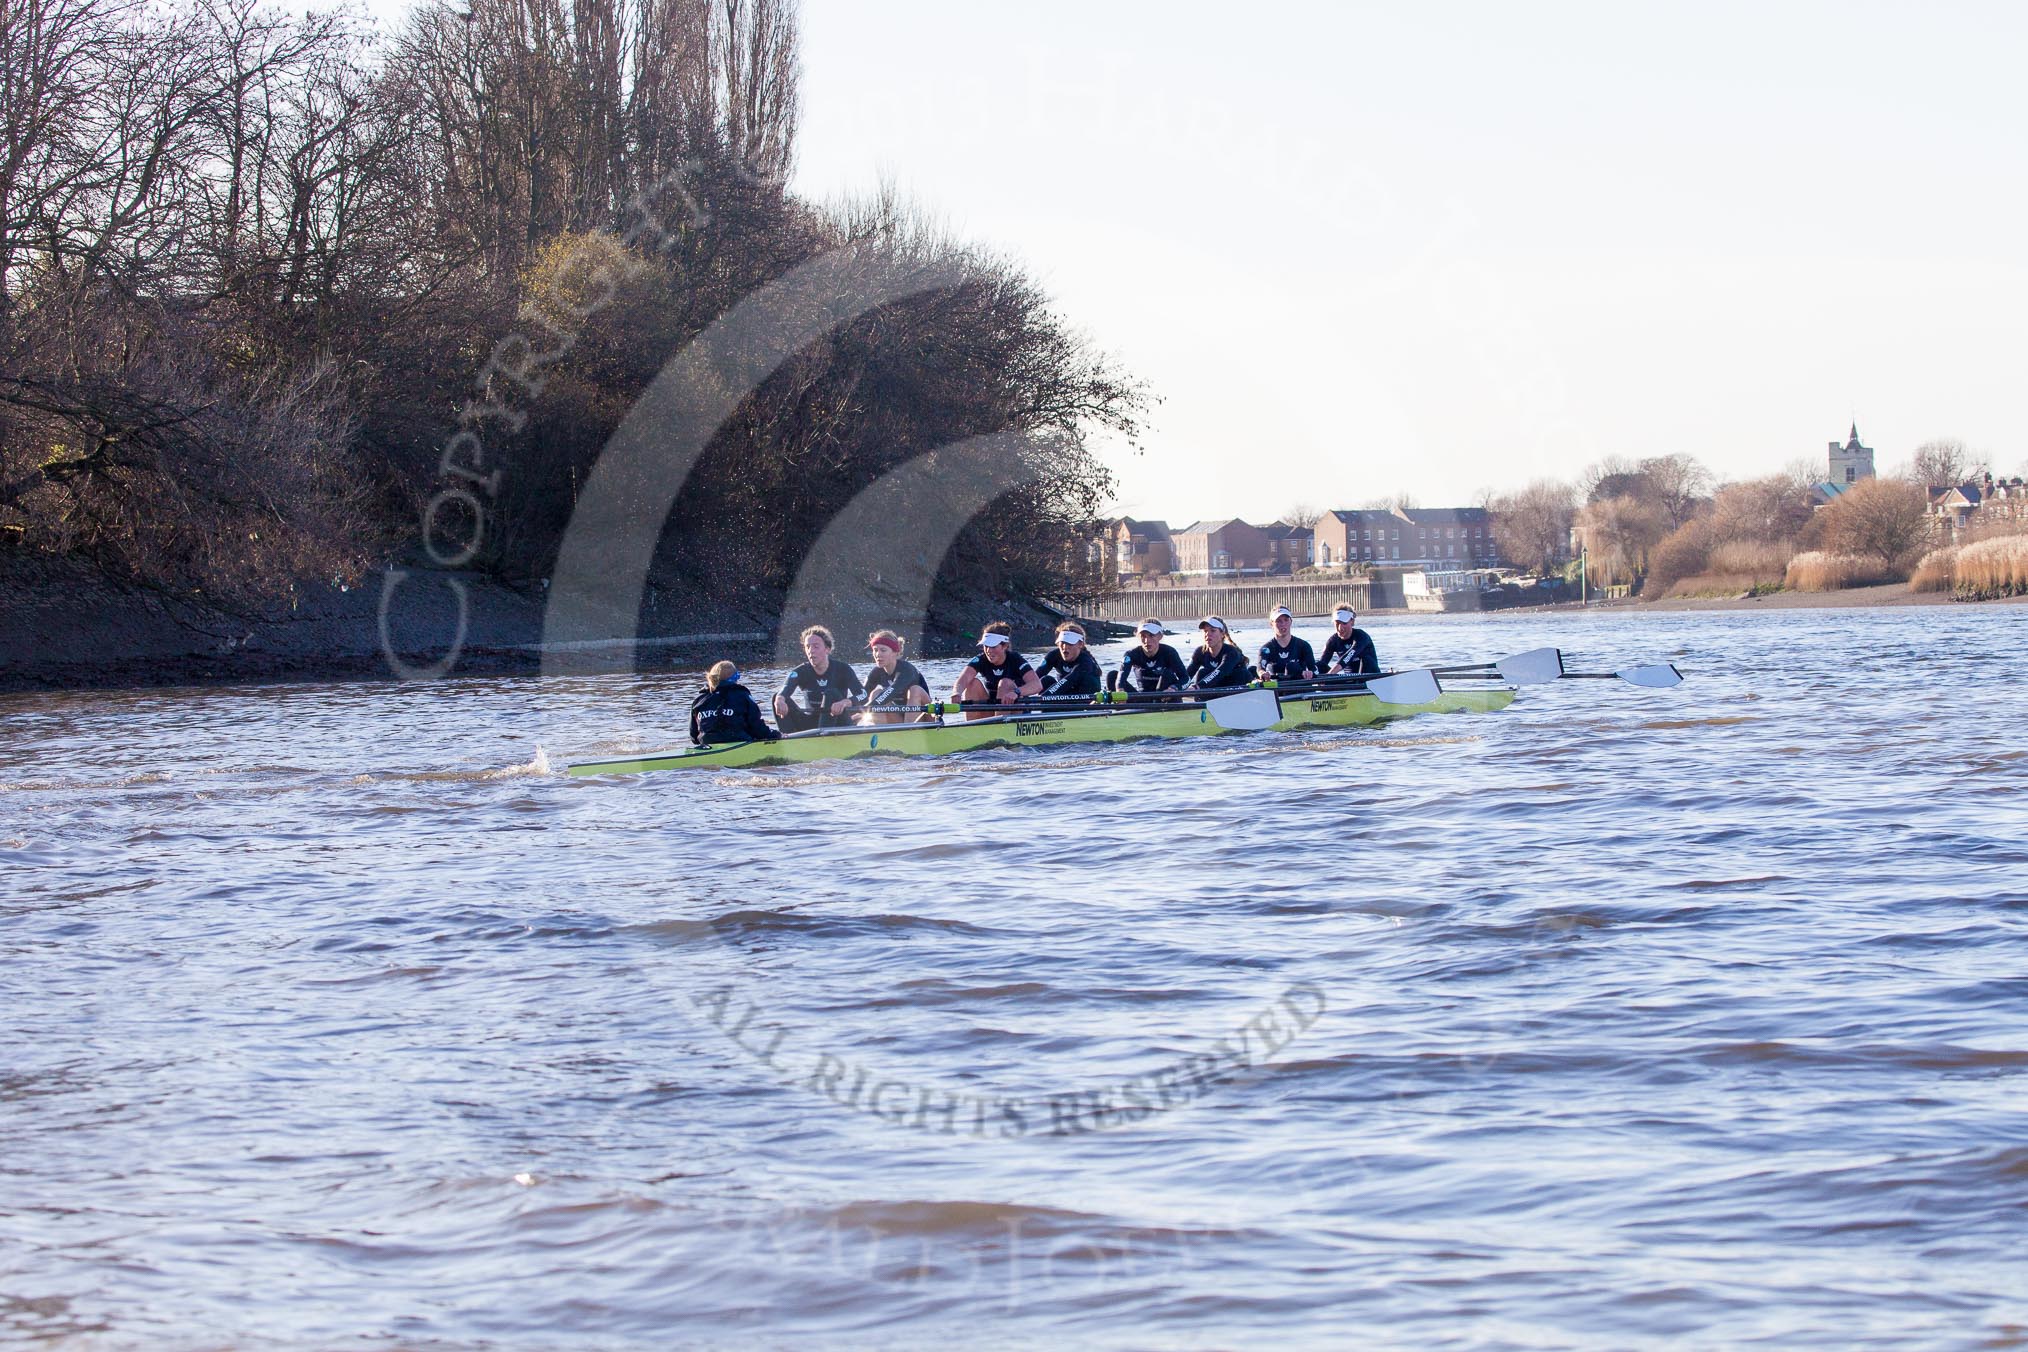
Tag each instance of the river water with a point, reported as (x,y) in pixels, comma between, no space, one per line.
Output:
(332,1015)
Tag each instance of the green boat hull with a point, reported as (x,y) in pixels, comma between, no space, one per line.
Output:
(1341,711)
(938,739)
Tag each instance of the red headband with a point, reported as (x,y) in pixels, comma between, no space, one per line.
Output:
(892,645)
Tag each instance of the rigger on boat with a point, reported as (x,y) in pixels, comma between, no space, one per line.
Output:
(1000,699)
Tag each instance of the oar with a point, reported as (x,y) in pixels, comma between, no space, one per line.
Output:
(1533,667)
(1539,666)
(1242,710)
(1192,694)
(1247,712)
(1397,687)
(1653,676)
(1529,668)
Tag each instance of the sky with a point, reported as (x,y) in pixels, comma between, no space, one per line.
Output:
(1357,250)
(1366,249)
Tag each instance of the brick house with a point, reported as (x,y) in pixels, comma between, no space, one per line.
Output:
(1141,548)
(1984,501)
(1228,546)
(1460,537)
(1290,547)
(1360,536)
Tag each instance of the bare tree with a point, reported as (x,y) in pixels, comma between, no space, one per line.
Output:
(757,83)
(56,58)
(1678,484)
(1302,515)
(1619,532)
(1943,463)
(257,55)
(1770,510)
(168,478)
(1611,477)
(1883,518)
(318,230)
(1532,527)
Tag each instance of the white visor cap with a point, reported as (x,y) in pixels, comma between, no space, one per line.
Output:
(1280,611)
(1343,616)
(1071,636)
(992,640)
(1148,627)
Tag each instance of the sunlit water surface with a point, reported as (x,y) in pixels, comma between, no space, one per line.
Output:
(332,1017)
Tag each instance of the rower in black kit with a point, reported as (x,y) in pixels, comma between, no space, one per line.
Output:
(820,692)
(1349,651)
(724,712)
(1217,663)
(1070,669)
(895,690)
(998,675)
(1150,665)
(1286,657)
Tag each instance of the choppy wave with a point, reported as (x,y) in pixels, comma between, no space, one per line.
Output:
(335,1016)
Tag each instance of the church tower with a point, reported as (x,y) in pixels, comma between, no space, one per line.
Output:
(1851,462)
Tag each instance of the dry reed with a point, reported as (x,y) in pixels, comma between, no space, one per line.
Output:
(1758,560)
(1689,563)
(1937,572)
(1997,567)
(1821,571)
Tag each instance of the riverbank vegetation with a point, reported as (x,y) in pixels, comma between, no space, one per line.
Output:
(1664,528)
(253,263)
(1983,569)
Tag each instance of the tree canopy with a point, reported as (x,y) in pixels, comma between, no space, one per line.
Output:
(259,267)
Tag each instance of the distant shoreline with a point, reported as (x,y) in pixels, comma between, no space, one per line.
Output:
(1892,594)
(88,638)
(1889,594)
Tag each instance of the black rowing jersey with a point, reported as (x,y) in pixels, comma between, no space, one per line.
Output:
(1143,674)
(1070,678)
(885,692)
(1013,667)
(819,693)
(1286,662)
(1228,668)
(1354,657)
(727,714)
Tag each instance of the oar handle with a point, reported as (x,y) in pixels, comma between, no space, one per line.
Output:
(1114,700)
(974,707)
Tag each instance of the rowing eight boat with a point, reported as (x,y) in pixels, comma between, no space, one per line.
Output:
(1320,709)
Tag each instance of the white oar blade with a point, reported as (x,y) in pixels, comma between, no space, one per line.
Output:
(1656,676)
(1533,667)
(1406,687)
(1250,712)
